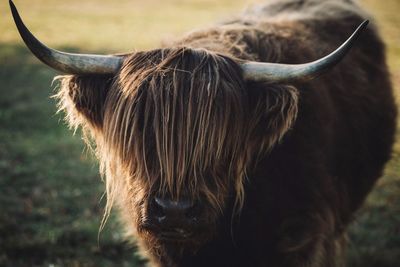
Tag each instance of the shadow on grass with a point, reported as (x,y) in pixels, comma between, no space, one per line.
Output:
(375,234)
(49,188)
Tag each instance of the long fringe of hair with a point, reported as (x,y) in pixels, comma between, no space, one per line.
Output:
(181,120)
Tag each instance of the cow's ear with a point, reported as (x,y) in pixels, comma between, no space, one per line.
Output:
(275,109)
(82,99)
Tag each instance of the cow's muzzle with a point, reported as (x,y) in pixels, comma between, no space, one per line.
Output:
(173,219)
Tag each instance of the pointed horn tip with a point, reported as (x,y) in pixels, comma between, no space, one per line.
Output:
(364,24)
(361,27)
(356,34)
(12,5)
(14,12)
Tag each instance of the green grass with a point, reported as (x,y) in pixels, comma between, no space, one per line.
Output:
(50,190)
(375,234)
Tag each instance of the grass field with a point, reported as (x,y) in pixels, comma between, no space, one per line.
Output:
(50,190)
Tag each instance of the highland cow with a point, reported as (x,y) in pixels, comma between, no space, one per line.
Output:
(225,148)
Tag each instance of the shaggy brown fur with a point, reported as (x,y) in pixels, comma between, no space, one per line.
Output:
(181,121)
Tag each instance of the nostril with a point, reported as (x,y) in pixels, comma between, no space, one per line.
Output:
(157,209)
(193,212)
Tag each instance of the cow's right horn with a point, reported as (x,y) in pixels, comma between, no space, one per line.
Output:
(66,62)
(278,73)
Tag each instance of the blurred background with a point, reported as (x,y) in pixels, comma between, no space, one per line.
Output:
(50,189)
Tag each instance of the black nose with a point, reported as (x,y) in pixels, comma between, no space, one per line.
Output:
(174,213)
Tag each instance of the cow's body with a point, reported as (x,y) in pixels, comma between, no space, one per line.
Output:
(271,173)
(302,195)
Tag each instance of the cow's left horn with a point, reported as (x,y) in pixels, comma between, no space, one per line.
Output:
(66,62)
(275,72)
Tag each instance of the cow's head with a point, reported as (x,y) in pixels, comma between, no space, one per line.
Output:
(176,129)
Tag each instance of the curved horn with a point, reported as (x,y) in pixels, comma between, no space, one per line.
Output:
(275,72)
(66,62)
